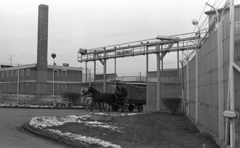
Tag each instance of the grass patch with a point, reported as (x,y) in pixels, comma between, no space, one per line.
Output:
(156,130)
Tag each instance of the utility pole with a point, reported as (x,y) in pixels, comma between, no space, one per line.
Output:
(10,58)
(140,77)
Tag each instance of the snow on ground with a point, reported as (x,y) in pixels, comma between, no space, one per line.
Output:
(103,125)
(47,121)
(126,114)
(24,105)
(31,106)
(85,139)
(117,114)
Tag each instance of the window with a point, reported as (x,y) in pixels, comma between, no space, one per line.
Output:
(2,74)
(12,73)
(22,73)
(28,72)
(56,74)
(16,73)
(7,73)
(56,87)
(237,25)
(22,87)
(64,73)
(64,87)
(4,86)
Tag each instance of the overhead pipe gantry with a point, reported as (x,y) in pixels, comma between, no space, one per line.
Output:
(160,46)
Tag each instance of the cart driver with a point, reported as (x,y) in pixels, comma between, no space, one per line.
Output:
(89,99)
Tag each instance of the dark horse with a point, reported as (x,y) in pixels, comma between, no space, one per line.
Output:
(98,97)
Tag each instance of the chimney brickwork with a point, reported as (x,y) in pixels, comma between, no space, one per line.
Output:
(42,50)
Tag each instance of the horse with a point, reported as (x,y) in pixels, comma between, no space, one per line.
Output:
(98,97)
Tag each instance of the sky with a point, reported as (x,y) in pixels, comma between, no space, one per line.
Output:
(87,24)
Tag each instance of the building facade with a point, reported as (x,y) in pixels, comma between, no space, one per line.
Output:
(23,81)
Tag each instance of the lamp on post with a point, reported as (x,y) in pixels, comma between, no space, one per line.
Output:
(53,56)
(195,23)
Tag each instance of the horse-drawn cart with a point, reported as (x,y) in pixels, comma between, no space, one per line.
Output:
(129,98)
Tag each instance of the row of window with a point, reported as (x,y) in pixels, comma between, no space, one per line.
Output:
(63,73)
(14,73)
(63,87)
(57,87)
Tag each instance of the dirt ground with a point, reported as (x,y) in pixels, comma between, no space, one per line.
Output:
(155,130)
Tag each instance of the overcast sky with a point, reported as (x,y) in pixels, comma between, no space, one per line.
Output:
(75,24)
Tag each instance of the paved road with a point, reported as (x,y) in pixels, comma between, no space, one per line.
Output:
(13,136)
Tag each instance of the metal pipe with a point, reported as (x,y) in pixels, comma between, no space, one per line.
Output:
(231,76)
(104,71)
(214,9)
(53,76)
(196,79)
(94,50)
(148,109)
(158,78)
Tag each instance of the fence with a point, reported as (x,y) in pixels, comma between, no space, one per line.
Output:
(208,107)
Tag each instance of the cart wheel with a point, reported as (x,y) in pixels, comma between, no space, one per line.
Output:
(130,107)
(124,107)
(115,108)
(124,99)
(140,108)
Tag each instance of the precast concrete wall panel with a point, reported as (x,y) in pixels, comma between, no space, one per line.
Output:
(237,103)
(192,82)
(226,28)
(214,41)
(208,77)
(152,96)
(208,66)
(168,89)
(208,102)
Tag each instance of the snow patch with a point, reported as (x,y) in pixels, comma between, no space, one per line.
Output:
(126,114)
(46,121)
(88,140)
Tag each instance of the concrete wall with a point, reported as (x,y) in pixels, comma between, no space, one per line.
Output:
(208,78)
(170,88)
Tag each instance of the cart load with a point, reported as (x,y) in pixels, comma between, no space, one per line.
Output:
(129,97)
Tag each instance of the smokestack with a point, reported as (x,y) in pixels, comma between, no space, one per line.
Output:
(42,49)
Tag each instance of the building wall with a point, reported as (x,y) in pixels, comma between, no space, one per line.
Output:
(64,75)
(24,74)
(28,83)
(99,77)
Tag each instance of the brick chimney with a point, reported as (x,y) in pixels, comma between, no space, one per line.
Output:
(42,49)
